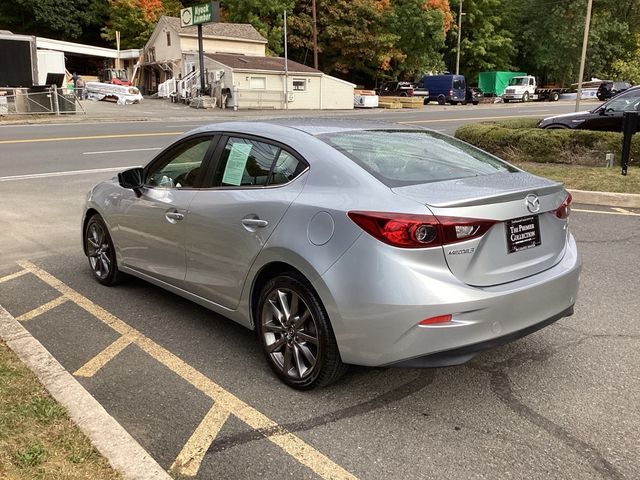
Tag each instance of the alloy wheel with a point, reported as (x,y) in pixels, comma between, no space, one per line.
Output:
(290,333)
(99,250)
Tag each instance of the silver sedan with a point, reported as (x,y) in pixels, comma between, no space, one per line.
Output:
(342,243)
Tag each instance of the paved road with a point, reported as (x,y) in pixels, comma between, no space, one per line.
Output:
(561,403)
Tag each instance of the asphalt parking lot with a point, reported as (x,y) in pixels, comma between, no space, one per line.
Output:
(194,390)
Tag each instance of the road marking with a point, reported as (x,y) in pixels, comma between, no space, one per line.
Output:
(90,137)
(92,367)
(42,309)
(189,459)
(628,214)
(11,276)
(123,151)
(468,119)
(62,174)
(290,443)
(621,210)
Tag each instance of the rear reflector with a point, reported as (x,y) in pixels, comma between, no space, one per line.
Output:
(438,319)
(419,231)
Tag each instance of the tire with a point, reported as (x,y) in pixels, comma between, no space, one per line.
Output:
(505,100)
(525,97)
(453,102)
(475,103)
(463,103)
(301,362)
(101,252)
(441,100)
(554,96)
(426,101)
(404,94)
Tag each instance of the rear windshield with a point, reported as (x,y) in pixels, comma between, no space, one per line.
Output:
(399,158)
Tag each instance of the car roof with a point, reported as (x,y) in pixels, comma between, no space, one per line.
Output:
(311,126)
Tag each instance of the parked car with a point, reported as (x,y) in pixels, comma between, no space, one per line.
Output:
(607,117)
(444,88)
(342,242)
(395,89)
(473,95)
(608,89)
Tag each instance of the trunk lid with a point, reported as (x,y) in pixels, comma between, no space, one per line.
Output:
(521,243)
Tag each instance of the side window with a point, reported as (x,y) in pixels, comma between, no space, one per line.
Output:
(246,163)
(624,102)
(181,168)
(287,168)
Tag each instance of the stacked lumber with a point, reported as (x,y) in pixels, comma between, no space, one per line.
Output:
(406,102)
(364,92)
(385,103)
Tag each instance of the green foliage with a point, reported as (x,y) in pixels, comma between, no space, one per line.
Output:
(519,141)
(32,456)
(74,21)
(487,38)
(421,38)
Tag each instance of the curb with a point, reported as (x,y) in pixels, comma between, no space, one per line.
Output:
(122,451)
(606,199)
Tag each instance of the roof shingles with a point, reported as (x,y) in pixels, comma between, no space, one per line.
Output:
(243,31)
(246,62)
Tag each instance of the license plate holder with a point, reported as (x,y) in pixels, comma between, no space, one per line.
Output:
(522,233)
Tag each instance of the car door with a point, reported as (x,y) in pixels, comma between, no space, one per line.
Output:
(608,117)
(150,231)
(252,183)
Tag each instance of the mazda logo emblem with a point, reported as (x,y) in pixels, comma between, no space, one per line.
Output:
(533,203)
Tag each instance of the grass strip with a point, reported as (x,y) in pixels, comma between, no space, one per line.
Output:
(37,438)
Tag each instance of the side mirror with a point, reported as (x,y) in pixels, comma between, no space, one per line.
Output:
(132,179)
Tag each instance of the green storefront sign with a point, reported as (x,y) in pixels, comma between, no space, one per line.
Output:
(196,15)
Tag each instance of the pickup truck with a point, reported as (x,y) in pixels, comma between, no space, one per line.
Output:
(525,88)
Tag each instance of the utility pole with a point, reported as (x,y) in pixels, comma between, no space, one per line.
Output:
(459,37)
(315,34)
(286,65)
(585,41)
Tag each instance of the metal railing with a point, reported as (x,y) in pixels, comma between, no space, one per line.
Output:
(50,101)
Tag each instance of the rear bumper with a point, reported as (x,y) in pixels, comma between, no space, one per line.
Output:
(378,296)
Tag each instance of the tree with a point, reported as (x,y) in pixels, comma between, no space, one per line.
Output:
(76,21)
(136,20)
(421,27)
(487,42)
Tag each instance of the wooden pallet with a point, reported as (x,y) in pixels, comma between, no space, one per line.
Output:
(390,105)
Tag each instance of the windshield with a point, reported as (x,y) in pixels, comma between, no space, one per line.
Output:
(399,158)
(518,81)
(120,74)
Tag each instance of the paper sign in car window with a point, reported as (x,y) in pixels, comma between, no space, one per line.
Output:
(236,163)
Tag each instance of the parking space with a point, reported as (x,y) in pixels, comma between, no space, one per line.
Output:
(193,389)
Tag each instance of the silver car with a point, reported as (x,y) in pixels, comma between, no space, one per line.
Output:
(342,243)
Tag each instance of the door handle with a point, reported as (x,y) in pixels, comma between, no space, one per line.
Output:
(254,222)
(173,217)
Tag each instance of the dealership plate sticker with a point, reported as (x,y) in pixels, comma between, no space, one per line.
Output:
(523,233)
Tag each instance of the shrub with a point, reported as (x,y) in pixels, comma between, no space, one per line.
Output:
(520,141)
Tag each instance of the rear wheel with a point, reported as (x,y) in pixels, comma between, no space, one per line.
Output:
(475,103)
(296,335)
(506,100)
(554,96)
(101,252)
(441,100)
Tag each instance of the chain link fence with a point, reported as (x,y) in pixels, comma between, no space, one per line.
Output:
(50,101)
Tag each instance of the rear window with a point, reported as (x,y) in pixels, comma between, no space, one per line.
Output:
(399,158)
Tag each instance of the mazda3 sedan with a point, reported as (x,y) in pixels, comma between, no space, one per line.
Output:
(342,242)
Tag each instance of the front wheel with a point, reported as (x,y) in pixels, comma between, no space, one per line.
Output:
(101,252)
(296,335)
(525,97)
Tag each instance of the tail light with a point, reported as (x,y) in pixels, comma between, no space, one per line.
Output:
(419,231)
(450,92)
(564,210)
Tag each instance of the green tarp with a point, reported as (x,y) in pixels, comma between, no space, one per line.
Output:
(495,82)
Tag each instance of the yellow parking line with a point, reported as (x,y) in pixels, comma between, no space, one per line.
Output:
(91,137)
(621,210)
(90,368)
(42,309)
(11,276)
(226,401)
(604,212)
(189,459)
